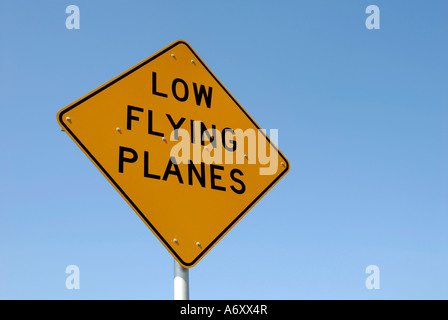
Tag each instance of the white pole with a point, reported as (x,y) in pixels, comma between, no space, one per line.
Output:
(181,282)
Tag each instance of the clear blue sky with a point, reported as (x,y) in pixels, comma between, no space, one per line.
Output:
(362,117)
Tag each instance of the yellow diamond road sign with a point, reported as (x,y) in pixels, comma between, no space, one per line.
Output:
(178,147)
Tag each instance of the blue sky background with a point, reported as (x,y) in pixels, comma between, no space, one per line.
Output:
(362,117)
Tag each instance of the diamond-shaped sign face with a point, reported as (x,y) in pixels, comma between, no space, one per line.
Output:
(178,147)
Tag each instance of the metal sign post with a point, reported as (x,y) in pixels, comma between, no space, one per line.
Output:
(181,282)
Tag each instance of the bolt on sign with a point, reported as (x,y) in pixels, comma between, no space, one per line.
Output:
(178,147)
